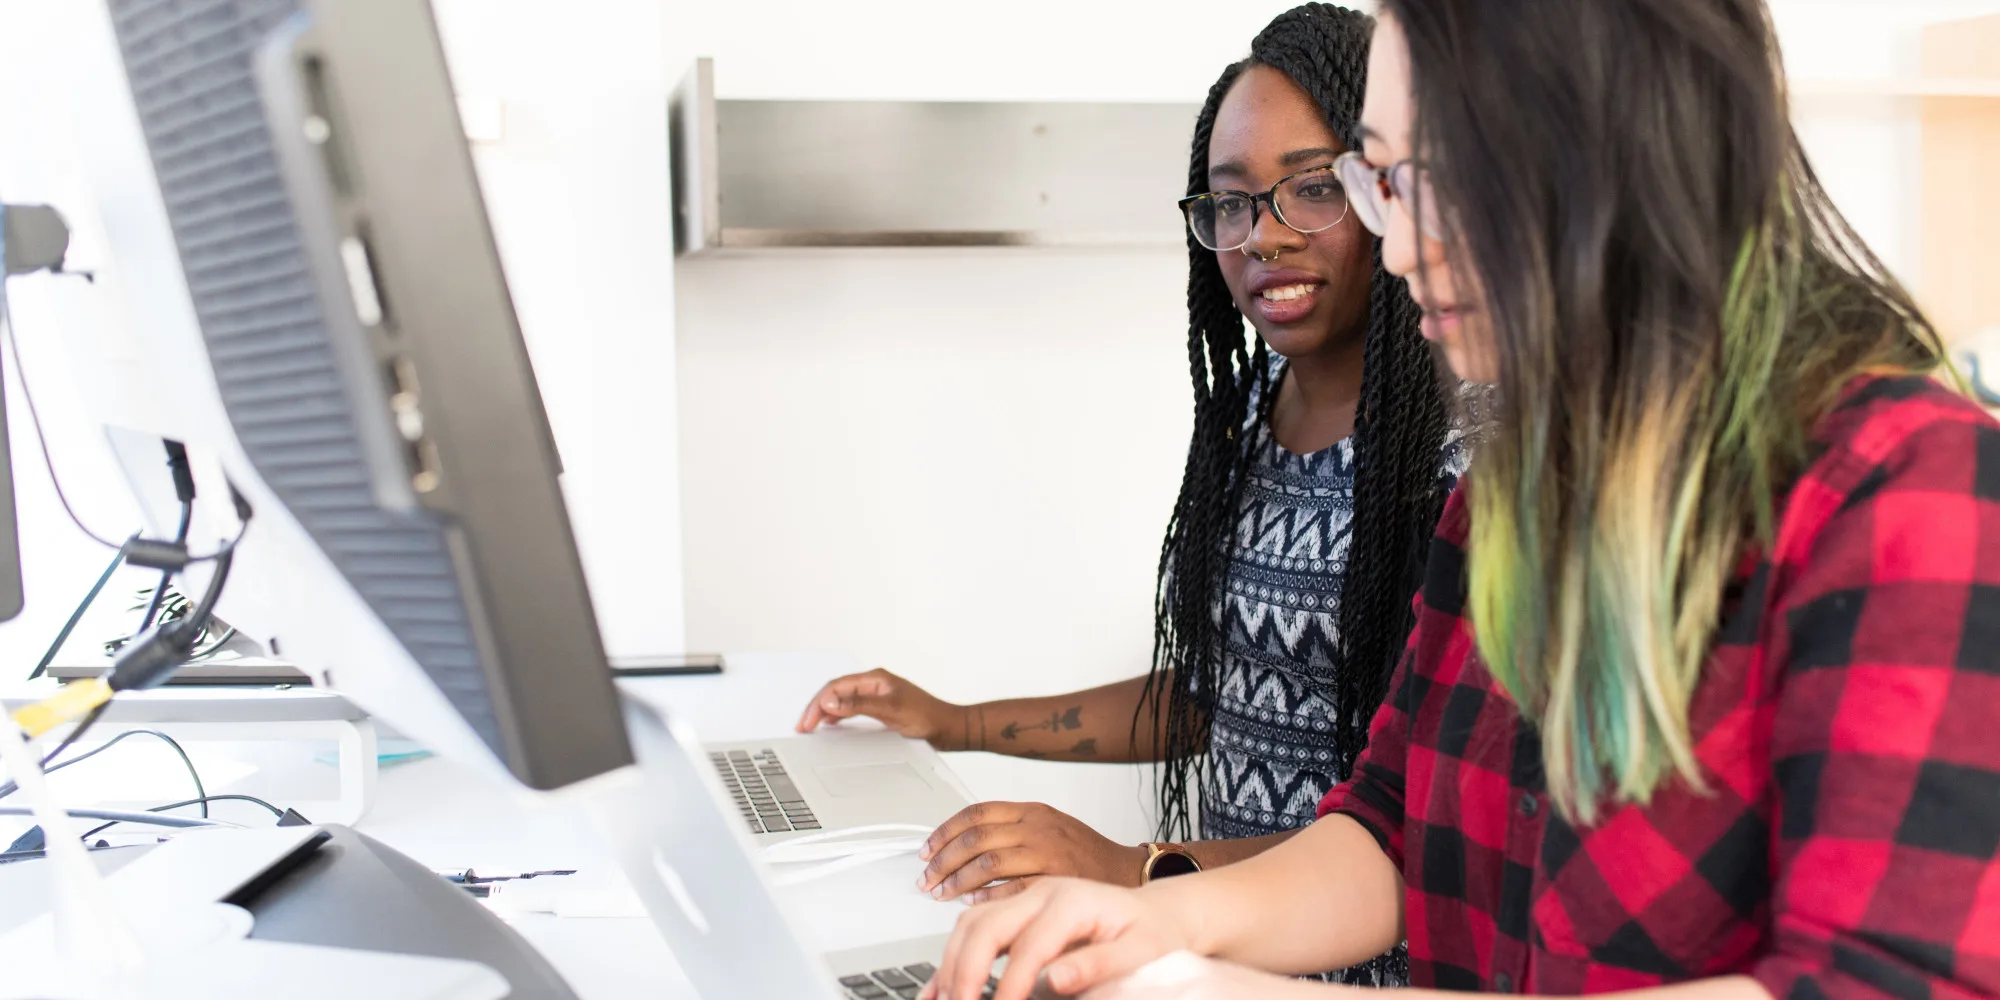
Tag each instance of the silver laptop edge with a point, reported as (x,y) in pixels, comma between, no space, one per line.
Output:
(695,867)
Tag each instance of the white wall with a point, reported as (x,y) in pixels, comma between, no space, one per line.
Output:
(578,194)
(1867,150)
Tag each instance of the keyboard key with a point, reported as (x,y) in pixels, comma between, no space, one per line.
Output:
(777,825)
(867,991)
(921,972)
(739,755)
(804,824)
(894,979)
(782,786)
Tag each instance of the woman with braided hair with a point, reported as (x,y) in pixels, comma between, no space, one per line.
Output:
(1319,463)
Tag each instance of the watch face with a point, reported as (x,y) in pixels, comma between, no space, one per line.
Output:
(1172,863)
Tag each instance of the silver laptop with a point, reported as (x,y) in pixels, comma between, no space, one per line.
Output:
(692,860)
(834,780)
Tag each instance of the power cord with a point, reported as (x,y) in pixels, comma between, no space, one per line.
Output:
(183,822)
(35,418)
(203,802)
(129,548)
(9,857)
(146,663)
(8,788)
(180,539)
(74,735)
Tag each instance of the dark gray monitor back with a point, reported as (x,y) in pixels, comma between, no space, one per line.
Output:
(11,596)
(338,255)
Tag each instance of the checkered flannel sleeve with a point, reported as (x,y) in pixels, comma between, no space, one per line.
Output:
(1886,739)
(1373,795)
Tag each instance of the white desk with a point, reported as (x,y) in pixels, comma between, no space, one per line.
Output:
(449,816)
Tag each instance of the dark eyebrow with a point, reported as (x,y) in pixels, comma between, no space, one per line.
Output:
(1367,133)
(1301,157)
(1295,158)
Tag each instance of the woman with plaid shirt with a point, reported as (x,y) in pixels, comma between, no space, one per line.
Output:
(1700,700)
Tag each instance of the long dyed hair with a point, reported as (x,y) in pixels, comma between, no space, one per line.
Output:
(1674,303)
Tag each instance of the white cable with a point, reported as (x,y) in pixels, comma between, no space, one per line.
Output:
(833,867)
(842,850)
(837,843)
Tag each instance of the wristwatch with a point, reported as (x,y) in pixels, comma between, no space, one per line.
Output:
(1166,861)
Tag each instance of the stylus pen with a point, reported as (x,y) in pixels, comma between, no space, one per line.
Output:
(466,876)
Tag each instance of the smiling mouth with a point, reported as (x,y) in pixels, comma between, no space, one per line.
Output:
(1286,293)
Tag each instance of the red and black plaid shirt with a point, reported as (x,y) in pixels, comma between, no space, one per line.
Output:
(1848,722)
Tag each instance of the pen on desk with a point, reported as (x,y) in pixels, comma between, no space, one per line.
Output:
(466,876)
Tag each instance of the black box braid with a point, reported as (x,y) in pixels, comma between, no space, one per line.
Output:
(1400,430)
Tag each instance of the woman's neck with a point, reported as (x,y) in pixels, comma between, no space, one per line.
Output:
(1315,405)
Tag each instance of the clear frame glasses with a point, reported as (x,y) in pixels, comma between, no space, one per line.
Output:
(1373,187)
(1309,201)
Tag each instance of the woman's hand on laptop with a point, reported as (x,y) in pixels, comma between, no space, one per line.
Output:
(1020,841)
(1183,975)
(1076,935)
(896,703)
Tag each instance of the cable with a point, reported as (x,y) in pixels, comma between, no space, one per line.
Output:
(214,645)
(76,734)
(203,801)
(35,418)
(48,460)
(77,615)
(167,576)
(8,857)
(9,787)
(230,797)
(145,663)
(184,822)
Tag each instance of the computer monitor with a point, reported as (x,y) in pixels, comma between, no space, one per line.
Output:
(327,252)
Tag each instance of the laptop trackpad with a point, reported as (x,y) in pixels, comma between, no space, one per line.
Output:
(851,781)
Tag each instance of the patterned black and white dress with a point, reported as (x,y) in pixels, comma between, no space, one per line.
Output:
(1271,745)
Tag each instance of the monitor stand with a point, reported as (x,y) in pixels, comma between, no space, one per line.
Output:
(179,901)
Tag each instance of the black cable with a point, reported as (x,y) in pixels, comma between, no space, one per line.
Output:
(76,734)
(8,788)
(48,460)
(224,558)
(8,857)
(167,576)
(214,645)
(152,658)
(203,801)
(77,615)
(229,797)
(181,822)
(35,418)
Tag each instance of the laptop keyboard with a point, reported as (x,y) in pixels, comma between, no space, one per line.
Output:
(899,984)
(763,792)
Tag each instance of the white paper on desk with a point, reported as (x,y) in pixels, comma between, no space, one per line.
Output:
(862,906)
(867,905)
